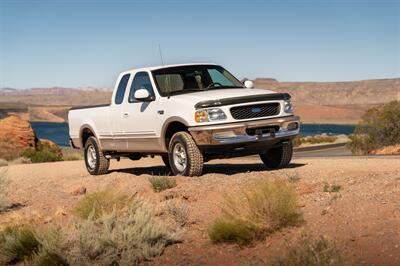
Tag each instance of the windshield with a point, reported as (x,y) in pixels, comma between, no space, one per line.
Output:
(186,79)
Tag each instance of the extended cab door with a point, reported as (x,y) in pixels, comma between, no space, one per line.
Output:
(117,141)
(142,118)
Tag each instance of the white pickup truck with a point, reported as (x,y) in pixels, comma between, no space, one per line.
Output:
(188,114)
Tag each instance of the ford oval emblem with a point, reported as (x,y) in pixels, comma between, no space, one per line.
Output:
(256,110)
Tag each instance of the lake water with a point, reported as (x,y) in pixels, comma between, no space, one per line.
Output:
(58,132)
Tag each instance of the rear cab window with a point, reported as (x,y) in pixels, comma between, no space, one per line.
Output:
(119,95)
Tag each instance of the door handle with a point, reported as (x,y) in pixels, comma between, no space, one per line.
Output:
(125,115)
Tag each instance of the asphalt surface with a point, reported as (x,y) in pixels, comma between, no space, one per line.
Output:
(332,150)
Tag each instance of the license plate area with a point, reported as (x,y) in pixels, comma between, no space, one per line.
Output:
(265,130)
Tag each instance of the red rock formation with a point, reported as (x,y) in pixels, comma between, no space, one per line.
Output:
(17,131)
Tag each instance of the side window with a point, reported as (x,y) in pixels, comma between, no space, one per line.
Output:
(141,80)
(119,96)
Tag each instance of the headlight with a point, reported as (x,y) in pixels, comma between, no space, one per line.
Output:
(288,107)
(209,115)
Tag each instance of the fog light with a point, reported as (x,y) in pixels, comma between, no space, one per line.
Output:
(225,135)
(292,126)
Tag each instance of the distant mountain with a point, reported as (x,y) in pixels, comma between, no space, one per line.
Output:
(335,102)
(315,102)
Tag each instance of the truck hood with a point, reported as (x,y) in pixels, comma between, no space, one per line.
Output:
(219,94)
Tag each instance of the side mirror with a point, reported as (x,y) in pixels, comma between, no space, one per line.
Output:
(249,84)
(142,94)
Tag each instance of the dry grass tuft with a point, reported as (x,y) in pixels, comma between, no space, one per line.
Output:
(312,252)
(256,212)
(99,203)
(160,183)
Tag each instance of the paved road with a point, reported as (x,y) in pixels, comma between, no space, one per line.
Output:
(324,151)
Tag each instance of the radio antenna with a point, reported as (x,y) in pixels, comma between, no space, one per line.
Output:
(159,50)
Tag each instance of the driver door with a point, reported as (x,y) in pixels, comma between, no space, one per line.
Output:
(141,118)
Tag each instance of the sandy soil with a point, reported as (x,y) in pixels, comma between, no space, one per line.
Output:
(363,218)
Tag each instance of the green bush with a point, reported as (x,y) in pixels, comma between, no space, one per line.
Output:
(99,203)
(379,127)
(256,212)
(160,183)
(17,244)
(45,151)
(127,237)
(311,252)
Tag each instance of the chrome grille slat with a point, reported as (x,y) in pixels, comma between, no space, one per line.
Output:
(255,111)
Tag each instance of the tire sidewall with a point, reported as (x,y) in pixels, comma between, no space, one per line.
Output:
(178,139)
(92,142)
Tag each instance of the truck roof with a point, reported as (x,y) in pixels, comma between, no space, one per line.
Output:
(165,66)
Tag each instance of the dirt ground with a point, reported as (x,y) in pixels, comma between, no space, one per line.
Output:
(363,218)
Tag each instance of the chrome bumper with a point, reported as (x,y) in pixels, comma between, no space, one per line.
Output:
(236,133)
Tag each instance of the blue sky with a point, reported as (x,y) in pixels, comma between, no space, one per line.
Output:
(86,43)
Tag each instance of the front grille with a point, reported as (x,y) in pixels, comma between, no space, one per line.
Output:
(254,111)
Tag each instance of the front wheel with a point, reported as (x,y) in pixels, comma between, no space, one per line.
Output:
(96,162)
(278,157)
(184,156)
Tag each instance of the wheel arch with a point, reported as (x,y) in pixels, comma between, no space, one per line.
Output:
(170,127)
(85,133)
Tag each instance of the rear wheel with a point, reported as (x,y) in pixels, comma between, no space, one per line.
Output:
(185,157)
(96,162)
(278,157)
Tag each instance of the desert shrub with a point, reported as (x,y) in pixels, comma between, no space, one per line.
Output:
(45,151)
(126,237)
(98,203)
(160,183)
(379,127)
(179,211)
(3,162)
(34,247)
(49,251)
(257,211)
(17,243)
(312,252)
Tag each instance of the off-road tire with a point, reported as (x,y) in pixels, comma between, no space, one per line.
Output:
(102,163)
(278,157)
(194,157)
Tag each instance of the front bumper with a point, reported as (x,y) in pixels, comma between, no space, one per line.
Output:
(251,132)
